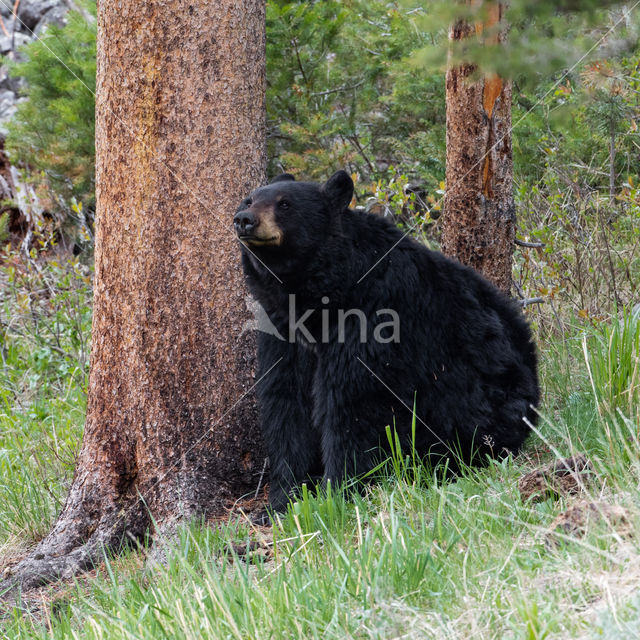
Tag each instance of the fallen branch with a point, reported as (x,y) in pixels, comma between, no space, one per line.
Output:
(530,245)
(527,301)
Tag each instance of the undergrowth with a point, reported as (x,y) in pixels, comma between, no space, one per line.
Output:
(414,556)
(45,320)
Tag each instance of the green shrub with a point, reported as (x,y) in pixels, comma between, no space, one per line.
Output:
(53,131)
(341,92)
(4,228)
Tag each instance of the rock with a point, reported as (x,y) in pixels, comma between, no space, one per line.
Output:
(6,11)
(8,106)
(7,102)
(576,520)
(558,478)
(30,12)
(12,42)
(55,15)
(4,118)
(6,82)
(6,183)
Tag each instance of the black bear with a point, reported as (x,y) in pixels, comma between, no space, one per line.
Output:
(367,329)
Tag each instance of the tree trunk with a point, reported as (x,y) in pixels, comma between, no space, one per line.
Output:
(479,211)
(171,428)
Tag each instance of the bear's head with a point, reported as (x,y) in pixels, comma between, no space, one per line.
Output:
(290,218)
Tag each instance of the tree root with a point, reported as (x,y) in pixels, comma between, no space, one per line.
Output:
(60,556)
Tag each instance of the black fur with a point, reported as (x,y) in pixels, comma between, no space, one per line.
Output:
(464,359)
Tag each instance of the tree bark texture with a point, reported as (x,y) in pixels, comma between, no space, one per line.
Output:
(479,211)
(171,427)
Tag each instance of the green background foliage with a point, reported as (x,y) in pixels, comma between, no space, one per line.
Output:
(348,85)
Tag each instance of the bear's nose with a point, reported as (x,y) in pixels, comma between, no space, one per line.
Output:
(244,222)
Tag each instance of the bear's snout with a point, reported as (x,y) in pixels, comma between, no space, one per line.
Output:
(244,222)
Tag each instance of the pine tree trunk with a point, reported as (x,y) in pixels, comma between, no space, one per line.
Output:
(479,211)
(171,427)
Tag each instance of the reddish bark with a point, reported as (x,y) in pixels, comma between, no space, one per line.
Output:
(479,221)
(171,427)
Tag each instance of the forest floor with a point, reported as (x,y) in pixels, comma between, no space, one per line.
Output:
(415,557)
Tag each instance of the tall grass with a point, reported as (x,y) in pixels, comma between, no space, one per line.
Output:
(612,355)
(414,555)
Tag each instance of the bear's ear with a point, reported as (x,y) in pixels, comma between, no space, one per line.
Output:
(283,177)
(339,189)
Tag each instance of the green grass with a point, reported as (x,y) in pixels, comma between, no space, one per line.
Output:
(45,320)
(613,362)
(415,557)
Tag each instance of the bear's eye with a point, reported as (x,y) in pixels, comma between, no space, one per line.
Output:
(284,205)
(248,202)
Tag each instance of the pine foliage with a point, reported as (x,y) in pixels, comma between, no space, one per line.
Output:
(53,129)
